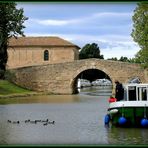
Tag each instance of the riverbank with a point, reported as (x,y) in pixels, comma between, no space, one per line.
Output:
(10,90)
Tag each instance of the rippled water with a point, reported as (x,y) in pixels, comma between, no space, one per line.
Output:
(79,119)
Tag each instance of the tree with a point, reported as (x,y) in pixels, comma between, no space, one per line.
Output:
(124,59)
(140,32)
(142,57)
(113,58)
(11,25)
(90,51)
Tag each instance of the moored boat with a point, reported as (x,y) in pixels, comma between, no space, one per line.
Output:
(132,111)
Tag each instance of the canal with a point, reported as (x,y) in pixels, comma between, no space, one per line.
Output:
(74,119)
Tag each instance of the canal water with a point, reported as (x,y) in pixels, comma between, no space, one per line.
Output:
(74,119)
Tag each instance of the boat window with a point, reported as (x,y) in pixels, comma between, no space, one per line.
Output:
(144,94)
(132,93)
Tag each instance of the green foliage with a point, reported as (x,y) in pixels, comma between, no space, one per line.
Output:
(142,58)
(90,51)
(12,19)
(124,59)
(114,59)
(7,88)
(11,25)
(140,32)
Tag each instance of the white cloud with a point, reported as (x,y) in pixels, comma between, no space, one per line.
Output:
(118,51)
(112,14)
(103,16)
(55,22)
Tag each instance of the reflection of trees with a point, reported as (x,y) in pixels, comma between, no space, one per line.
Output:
(126,136)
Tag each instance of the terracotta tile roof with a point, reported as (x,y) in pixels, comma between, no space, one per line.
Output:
(40,41)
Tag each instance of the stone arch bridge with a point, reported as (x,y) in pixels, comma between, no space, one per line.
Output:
(62,78)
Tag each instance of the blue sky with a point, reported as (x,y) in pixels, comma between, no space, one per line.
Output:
(109,24)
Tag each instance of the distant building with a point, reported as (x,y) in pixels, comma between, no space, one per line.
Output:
(29,51)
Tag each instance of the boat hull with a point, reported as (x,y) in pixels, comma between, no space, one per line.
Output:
(129,114)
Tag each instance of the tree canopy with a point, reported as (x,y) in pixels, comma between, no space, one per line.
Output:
(90,51)
(140,32)
(11,25)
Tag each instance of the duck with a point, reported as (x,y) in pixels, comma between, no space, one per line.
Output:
(38,120)
(45,120)
(9,121)
(26,121)
(45,123)
(16,122)
(34,122)
(53,122)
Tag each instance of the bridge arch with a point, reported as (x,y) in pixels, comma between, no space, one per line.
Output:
(90,74)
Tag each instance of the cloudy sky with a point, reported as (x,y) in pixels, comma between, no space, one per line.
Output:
(109,24)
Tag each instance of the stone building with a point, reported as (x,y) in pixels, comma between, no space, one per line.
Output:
(29,51)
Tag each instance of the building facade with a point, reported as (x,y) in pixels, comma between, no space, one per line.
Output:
(30,51)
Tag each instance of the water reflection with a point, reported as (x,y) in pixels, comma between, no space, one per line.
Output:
(126,136)
(96,90)
(83,94)
(41,99)
(79,119)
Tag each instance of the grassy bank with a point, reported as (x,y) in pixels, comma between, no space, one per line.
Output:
(8,89)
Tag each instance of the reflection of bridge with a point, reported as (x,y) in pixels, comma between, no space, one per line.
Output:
(62,78)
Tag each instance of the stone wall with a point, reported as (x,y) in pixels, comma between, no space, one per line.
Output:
(60,78)
(29,56)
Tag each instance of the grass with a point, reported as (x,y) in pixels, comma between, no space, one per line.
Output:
(7,88)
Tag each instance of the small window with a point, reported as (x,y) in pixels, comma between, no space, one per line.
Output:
(132,93)
(46,55)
